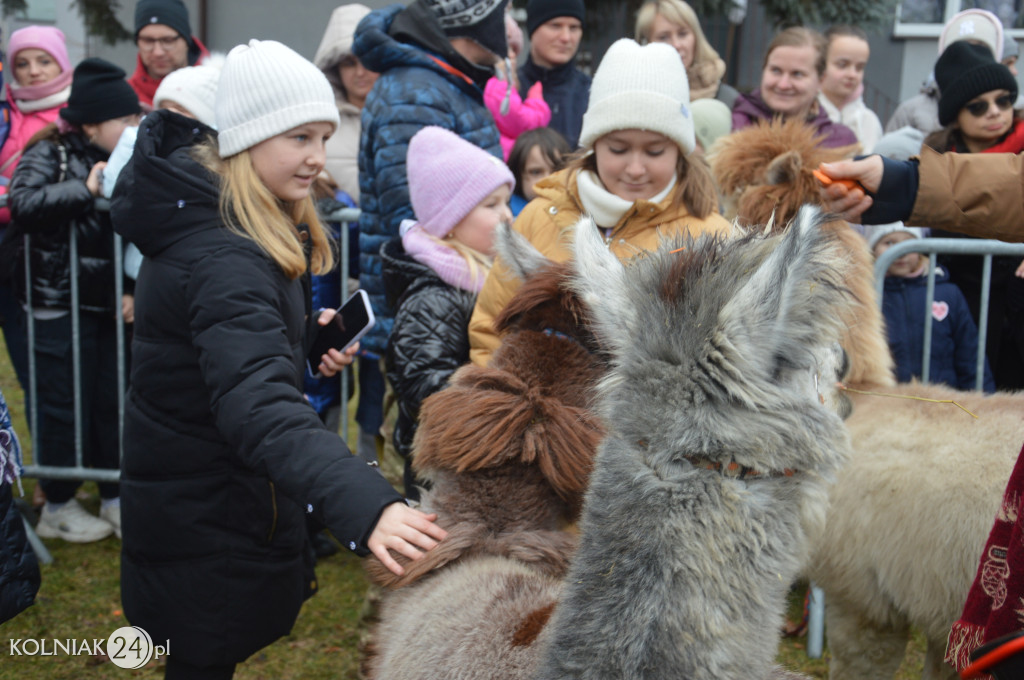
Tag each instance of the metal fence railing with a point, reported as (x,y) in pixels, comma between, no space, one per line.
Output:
(79,471)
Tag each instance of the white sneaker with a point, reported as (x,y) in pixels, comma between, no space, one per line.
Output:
(112,514)
(72,523)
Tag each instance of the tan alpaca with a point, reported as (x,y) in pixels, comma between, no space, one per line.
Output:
(912,509)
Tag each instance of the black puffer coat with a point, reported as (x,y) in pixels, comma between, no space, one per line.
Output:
(47,209)
(19,570)
(430,339)
(222,456)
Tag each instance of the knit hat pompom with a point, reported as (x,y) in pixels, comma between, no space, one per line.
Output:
(482,21)
(448,177)
(267,88)
(964,71)
(639,88)
(542,11)
(99,92)
(49,39)
(194,88)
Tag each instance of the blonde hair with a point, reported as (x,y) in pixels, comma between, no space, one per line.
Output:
(250,210)
(799,36)
(476,261)
(695,188)
(681,14)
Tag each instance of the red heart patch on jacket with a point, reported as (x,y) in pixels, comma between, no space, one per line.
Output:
(940,310)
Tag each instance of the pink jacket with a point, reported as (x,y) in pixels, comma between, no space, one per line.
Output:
(523,114)
(23,126)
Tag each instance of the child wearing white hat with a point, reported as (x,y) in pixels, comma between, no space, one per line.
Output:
(223,456)
(636,179)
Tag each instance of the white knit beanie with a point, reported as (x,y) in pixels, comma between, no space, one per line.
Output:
(265,89)
(878,232)
(639,88)
(194,88)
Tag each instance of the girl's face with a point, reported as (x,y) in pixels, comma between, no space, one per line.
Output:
(635,164)
(789,82)
(288,163)
(536,167)
(35,67)
(906,265)
(356,78)
(844,70)
(476,229)
(105,134)
(678,36)
(985,119)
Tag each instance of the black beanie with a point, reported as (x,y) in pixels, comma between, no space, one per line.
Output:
(543,11)
(483,21)
(171,13)
(964,71)
(99,92)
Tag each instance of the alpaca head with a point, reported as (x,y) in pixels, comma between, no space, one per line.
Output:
(726,347)
(765,170)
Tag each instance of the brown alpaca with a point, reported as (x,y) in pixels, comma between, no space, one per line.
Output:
(508,447)
(765,173)
(911,511)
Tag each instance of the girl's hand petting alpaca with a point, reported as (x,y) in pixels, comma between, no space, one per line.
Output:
(407,531)
(334,361)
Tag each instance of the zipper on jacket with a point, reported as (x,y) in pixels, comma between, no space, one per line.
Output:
(273,504)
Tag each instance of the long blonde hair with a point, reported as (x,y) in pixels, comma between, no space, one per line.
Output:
(679,13)
(250,210)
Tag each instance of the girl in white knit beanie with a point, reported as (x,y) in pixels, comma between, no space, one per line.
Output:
(635,177)
(224,458)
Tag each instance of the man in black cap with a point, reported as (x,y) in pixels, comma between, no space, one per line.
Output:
(165,44)
(556,28)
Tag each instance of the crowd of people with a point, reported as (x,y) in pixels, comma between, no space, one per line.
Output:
(439,121)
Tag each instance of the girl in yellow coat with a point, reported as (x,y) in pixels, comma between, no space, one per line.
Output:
(635,180)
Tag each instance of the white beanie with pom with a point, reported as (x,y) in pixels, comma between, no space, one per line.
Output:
(193,88)
(267,88)
(643,88)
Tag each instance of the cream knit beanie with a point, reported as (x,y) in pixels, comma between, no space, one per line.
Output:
(639,88)
(194,88)
(265,89)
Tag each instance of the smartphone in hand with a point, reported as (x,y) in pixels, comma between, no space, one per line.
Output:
(351,322)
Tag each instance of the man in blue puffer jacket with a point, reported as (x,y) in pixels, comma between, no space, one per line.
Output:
(434,59)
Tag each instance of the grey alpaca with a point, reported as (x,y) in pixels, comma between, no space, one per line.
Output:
(725,355)
(724,432)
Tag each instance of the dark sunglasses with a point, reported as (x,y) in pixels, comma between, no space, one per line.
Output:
(979,109)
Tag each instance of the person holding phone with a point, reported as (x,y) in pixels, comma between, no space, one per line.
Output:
(432,274)
(223,457)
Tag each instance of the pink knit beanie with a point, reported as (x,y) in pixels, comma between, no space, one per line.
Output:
(47,38)
(448,177)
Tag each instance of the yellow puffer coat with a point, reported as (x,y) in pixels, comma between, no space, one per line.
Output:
(547,223)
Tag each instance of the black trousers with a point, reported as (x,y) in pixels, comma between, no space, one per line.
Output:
(55,388)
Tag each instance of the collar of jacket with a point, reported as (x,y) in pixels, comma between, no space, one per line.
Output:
(418,24)
(562,191)
(548,76)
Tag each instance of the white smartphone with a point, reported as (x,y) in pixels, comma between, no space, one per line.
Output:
(351,322)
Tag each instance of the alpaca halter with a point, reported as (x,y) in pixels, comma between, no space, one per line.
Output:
(735,470)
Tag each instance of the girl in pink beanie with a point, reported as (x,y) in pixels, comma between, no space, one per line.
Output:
(432,275)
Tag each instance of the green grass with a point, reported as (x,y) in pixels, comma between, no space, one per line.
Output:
(80,599)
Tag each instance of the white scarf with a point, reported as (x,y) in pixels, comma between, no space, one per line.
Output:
(43,103)
(605,207)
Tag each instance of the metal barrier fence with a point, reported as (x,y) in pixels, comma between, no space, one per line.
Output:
(79,471)
(931,246)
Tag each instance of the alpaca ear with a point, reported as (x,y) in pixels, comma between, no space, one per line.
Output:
(783,169)
(598,280)
(518,254)
(785,309)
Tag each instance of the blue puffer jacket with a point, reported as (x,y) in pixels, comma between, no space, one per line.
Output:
(954,334)
(422,82)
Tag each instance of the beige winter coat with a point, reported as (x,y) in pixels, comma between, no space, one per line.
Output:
(547,223)
(343,146)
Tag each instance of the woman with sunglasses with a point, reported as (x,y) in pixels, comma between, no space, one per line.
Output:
(976,112)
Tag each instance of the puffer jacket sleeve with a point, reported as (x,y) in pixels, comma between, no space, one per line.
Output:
(975,194)
(240,333)
(500,286)
(427,345)
(36,199)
